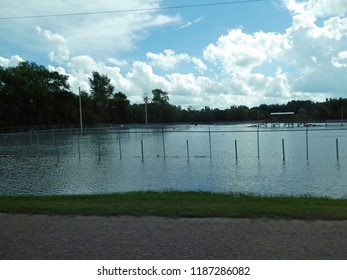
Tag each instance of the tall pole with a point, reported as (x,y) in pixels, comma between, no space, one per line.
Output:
(80,101)
(146,101)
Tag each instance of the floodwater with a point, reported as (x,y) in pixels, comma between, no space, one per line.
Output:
(289,161)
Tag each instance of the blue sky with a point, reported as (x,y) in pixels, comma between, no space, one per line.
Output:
(218,56)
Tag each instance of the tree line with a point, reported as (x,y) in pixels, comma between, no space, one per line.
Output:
(30,94)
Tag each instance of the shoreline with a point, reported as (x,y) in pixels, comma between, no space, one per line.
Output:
(178,205)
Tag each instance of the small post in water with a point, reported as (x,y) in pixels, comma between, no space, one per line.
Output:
(162,133)
(188,150)
(258,143)
(337,148)
(283,151)
(209,141)
(78,144)
(307,143)
(120,146)
(142,151)
(236,156)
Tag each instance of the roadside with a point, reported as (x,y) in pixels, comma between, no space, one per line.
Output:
(154,238)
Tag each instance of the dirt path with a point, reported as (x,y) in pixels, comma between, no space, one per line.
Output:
(59,237)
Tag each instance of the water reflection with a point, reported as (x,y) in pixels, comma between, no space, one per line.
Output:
(111,161)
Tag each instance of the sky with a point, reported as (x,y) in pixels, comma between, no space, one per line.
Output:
(251,53)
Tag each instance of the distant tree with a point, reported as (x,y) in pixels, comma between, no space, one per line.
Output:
(101,92)
(160,97)
(160,111)
(119,108)
(101,88)
(29,94)
(137,113)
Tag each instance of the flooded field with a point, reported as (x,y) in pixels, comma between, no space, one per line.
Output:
(215,158)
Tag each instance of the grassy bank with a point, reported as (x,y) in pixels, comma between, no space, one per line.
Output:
(176,204)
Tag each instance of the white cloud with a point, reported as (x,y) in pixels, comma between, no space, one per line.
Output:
(117,62)
(308,60)
(321,8)
(143,79)
(238,51)
(199,65)
(190,23)
(316,57)
(188,89)
(61,52)
(119,33)
(95,35)
(11,62)
(340,61)
(167,60)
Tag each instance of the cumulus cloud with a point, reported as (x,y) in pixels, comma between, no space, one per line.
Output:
(238,51)
(308,60)
(167,60)
(117,62)
(320,8)
(199,65)
(97,35)
(61,52)
(10,62)
(317,54)
(143,79)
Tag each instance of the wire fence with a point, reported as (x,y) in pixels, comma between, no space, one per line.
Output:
(184,140)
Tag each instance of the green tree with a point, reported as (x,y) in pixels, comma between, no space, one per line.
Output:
(28,95)
(160,97)
(160,111)
(119,108)
(101,92)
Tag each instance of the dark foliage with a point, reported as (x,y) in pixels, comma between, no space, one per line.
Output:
(32,95)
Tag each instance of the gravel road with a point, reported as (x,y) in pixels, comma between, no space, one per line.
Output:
(97,238)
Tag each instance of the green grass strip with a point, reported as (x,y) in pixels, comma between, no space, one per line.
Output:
(179,204)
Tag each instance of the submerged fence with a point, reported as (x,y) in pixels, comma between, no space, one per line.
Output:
(177,141)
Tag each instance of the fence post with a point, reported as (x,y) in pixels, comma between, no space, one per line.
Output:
(99,144)
(209,142)
(283,151)
(142,151)
(337,148)
(79,149)
(258,143)
(188,150)
(120,147)
(307,143)
(162,133)
(236,150)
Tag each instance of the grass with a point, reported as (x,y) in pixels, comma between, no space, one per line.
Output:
(178,204)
